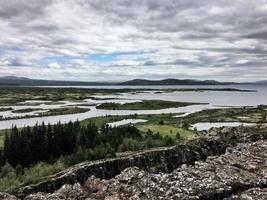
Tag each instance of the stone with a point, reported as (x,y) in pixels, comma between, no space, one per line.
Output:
(6,196)
(251,194)
(241,168)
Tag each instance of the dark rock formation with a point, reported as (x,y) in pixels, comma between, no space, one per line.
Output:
(251,194)
(163,159)
(6,196)
(240,173)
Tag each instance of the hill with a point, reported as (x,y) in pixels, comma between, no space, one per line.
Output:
(22,81)
(174,82)
(263,82)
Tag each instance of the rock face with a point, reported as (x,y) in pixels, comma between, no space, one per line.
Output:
(164,159)
(251,194)
(240,173)
(6,196)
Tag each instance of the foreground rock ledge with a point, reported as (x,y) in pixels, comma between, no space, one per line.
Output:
(240,173)
(163,159)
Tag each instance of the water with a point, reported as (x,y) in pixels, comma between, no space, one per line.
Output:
(96,113)
(126,121)
(207,125)
(219,98)
(215,99)
(43,105)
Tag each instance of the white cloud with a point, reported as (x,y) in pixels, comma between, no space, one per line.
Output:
(197,39)
(54,65)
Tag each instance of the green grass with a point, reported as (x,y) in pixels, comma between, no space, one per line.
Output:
(151,118)
(99,121)
(239,114)
(144,105)
(165,130)
(2,138)
(170,123)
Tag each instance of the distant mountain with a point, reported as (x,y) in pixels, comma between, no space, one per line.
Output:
(14,78)
(22,81)
(174,82)
(263,82)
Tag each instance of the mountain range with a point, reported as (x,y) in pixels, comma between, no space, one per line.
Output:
(23,81)
(174,82)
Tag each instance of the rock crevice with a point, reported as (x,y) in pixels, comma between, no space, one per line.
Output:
(219,177)
(164,159)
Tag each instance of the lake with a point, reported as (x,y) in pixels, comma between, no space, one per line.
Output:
(215,99)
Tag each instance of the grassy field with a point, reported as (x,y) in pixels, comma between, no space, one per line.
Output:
(99,121)
(151,118)
(144,105)
(238,114)
(169,128)
(2,138)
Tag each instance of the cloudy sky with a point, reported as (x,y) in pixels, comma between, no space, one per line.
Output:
(125,39)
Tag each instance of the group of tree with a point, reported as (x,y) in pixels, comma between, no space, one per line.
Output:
(73,142)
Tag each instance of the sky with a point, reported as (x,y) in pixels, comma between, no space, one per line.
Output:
(113,40)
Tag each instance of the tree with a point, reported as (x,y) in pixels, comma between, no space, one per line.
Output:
(177,136)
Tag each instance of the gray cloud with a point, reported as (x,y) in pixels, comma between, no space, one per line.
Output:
(11,9)
(258,35)
(191,38)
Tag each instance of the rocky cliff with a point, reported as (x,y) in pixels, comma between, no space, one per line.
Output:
(240,173)
(163,159)
(187,171)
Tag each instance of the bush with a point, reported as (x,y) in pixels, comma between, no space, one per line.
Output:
(130,144)
(161,122)
(9,179)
